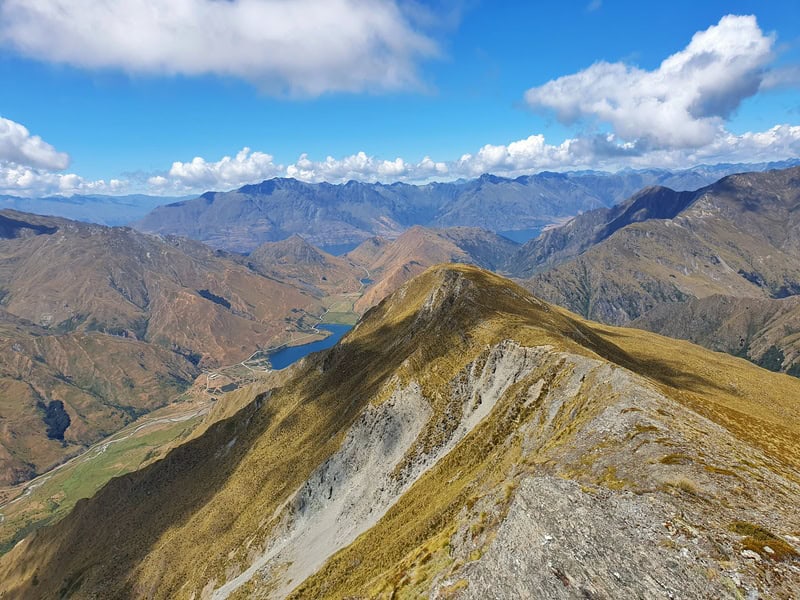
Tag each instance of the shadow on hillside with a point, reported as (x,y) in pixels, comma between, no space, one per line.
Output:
(668,372)
(99,548)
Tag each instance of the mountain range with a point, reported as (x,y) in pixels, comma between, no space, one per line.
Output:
(717,265)
(465,439)
(472,435)
(100,325)
(338,217)
(724,250)
(93,208)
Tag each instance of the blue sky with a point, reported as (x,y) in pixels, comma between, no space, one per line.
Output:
(116,96)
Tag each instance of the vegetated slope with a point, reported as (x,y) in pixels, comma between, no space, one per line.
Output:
(391,263)
(763,330)
(464,439)
(100,325)
(335,215)
(306,267)
(59,393)
(739,237)
(558,244)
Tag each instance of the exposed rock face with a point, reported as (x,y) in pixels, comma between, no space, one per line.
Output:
(464,440)
(559,541)
(344,496)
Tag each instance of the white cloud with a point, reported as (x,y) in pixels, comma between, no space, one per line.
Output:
(521,157)
(28,166)
(671,117)
(253,167)
(361,167)
(303,47)
(18,146)
(777,143)
(226,173)
(17,180)
(681,104)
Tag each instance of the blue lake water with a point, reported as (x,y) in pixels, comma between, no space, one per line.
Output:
(280,359)
(521,235)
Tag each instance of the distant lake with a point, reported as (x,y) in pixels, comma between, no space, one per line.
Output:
(280,359)
(521,235)
(339,249)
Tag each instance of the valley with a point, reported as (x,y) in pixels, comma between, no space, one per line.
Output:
(393,300)
(461,417)
(46,498)
(693,282)
(52,495)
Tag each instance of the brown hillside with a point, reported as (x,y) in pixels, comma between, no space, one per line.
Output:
(100,325)
(460,421)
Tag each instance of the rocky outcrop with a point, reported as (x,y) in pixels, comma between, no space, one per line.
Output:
(465,439)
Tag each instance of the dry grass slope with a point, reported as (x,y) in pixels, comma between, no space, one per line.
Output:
(187,523)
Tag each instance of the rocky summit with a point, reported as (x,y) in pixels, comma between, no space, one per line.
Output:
(464,440)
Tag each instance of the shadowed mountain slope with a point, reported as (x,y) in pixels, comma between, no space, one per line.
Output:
(558,244)
(763,330)
(464,439)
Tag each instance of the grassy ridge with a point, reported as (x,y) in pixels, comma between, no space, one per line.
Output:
(201,514)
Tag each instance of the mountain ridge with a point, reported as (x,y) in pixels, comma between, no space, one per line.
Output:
(336,215)
(462,408)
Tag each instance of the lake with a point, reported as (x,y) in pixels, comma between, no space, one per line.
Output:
(521,235)
(280,359)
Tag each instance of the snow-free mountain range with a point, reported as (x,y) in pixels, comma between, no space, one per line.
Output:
(561,385)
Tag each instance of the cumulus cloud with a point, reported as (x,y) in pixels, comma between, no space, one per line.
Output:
(303,47)
(18,180)
(364,168)
(671,117)
(28,166)
(521,157)
(18,146)
(252,167)
(681,104)
(228,172)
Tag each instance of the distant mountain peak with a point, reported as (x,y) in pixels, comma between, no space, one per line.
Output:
(294,249)
(489,178)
